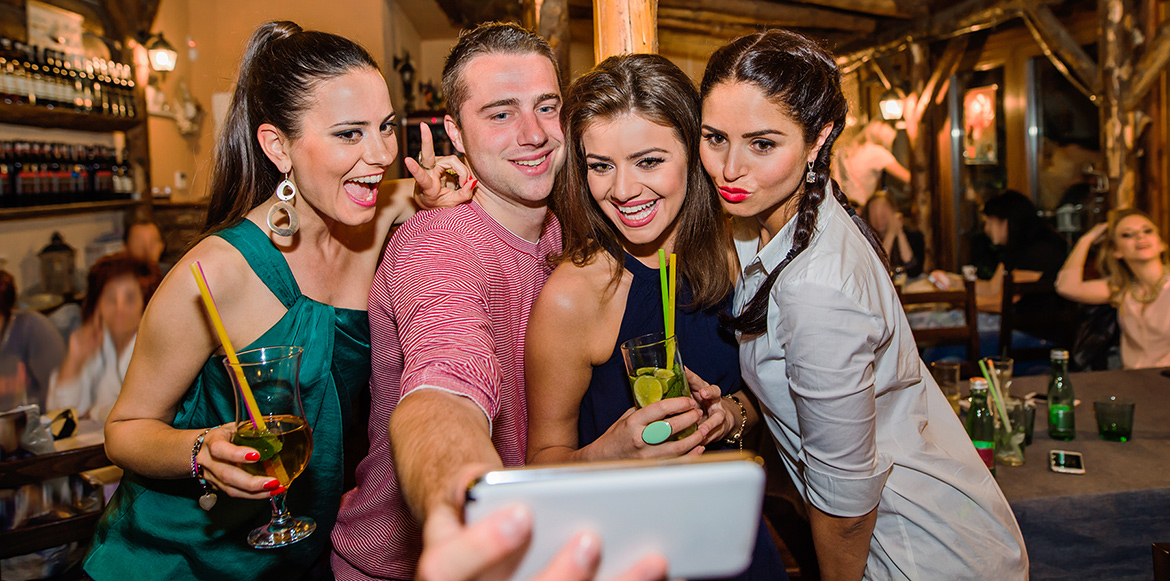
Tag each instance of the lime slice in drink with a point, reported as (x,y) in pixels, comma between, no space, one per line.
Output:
(663,374)
(645,371)
(647,390)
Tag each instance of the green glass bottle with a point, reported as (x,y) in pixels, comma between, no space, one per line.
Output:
(1062,424)
(981,425)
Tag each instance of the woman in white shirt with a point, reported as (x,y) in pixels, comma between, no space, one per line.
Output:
(90,378)
(894,487)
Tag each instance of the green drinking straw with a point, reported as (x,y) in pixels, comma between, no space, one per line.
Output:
(673,284)
(999,404)
(662,278)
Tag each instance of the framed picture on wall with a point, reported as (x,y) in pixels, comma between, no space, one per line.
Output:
(980,138)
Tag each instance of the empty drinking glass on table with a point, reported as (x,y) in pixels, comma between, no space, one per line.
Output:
(1114,418)
(946,375)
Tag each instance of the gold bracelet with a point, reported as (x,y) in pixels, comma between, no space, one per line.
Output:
(736,439)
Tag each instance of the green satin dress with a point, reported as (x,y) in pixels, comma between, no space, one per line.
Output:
(154,529)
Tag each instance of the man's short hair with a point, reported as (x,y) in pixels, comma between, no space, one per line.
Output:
(130,228)
(488,38)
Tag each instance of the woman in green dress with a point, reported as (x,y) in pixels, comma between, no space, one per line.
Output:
(310,116)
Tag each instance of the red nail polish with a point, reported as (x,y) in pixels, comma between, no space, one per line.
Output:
(280,490)
(252,456)
(271,484)
(474,182)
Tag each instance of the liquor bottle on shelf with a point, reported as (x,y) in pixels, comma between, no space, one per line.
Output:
(981,424)
(1062,423)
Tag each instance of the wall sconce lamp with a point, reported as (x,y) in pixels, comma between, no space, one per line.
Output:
(891,103)
(163,55)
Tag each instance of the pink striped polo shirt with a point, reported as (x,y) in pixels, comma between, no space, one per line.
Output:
(448,310)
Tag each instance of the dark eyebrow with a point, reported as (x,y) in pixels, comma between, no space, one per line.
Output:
(647,151)
(548,97)
(713,130)
(389,118)
(501,103)
(598,157)
(763,132)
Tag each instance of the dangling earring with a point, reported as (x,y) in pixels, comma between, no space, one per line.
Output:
(285,191)
(811,176)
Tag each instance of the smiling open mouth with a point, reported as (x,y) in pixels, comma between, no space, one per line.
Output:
(531,162)
(639,212)
(364,190)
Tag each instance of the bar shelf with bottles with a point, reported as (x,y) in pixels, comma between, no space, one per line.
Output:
(49,88)
(35,174)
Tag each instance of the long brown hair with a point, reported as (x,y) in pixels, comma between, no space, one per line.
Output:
(282,65)
(651,87)
(1117,272)
(801,78)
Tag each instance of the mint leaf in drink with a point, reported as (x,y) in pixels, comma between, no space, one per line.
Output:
(268,445)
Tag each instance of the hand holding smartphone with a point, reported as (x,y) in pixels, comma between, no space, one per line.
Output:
(638,508)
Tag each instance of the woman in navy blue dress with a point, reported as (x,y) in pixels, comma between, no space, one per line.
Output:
(632,185)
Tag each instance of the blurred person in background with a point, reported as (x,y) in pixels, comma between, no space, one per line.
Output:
(90,377)
(30,349)
(905,248)
(861,162)
(143,241)
(1133,260)
(1028,246)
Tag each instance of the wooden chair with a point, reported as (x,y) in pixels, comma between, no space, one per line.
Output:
(1059,321)
(17,473)
(1161,561)
(966,335)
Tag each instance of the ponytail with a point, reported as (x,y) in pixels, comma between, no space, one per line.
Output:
(282,65)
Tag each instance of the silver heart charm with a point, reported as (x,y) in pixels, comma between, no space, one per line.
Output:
(207,500)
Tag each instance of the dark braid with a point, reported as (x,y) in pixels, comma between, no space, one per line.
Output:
(801,78)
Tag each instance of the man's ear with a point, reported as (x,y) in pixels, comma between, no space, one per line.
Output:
(454,133)
(275,146)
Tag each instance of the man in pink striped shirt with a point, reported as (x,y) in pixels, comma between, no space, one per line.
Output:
(448,313)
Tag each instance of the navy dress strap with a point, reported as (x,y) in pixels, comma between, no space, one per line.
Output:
(266,260)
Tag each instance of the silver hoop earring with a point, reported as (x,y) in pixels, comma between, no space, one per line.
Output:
(811,176)
(285,191)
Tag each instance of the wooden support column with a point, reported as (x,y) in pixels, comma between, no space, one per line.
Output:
(550,20)
(624,26)
(918,132)
(1120,128)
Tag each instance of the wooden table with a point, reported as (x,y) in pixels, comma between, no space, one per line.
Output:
(1099,525)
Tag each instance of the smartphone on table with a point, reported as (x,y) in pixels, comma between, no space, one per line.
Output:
(1066,462)
(701,514)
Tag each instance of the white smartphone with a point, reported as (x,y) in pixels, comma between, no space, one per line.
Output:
(701,514)
(1066,462)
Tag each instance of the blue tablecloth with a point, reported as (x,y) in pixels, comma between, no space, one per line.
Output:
(1099,525)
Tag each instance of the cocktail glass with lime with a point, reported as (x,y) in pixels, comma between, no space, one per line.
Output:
(655,371)
(279,434)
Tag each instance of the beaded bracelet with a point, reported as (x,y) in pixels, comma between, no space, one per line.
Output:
(736,439)
(208,499)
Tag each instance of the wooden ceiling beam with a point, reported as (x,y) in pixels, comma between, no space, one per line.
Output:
(888,8)
(1063,50)
(786,15)
(751,24)
(962,18)
(1153,61)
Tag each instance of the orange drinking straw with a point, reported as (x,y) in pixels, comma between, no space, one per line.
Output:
(209,302)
